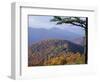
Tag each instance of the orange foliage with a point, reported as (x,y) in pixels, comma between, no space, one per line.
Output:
(68,58)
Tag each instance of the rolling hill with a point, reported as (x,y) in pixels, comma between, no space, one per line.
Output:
(39,34)
(40,51)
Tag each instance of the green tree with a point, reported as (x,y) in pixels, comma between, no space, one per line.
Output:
(77,21)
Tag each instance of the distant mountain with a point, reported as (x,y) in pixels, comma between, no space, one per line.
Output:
(39,34)
(40,51)
(80,41)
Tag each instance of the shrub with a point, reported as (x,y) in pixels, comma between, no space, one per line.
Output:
(68,58)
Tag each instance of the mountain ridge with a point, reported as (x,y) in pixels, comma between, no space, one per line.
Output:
(38,52)
(39,34)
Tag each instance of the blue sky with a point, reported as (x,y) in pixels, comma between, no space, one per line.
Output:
(44,22)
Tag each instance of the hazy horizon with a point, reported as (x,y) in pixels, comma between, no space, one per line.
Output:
(40,28)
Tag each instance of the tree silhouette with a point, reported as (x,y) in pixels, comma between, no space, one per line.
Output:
(77,21)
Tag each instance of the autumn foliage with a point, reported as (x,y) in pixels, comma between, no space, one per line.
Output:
(56,52)
(68,58)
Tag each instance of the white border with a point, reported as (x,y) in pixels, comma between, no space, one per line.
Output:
(19,61)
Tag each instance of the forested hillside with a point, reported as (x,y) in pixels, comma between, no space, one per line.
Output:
(55,52)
